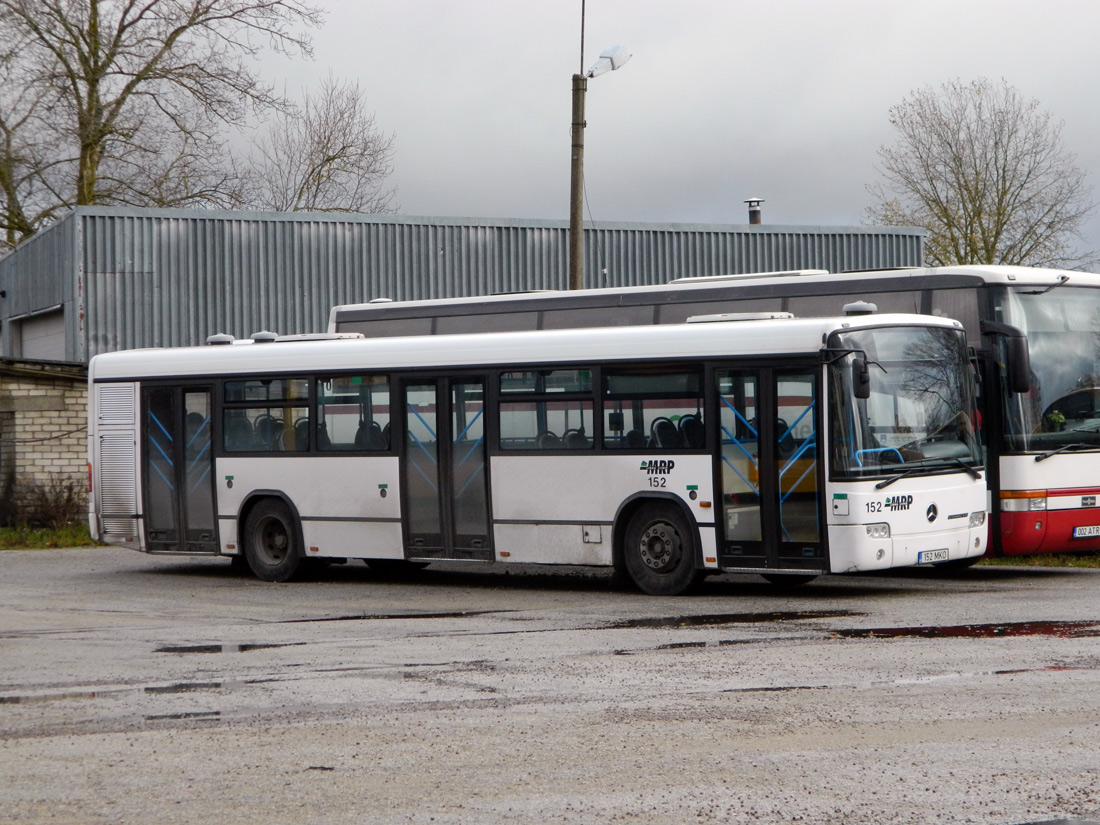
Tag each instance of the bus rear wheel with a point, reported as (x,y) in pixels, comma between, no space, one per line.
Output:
(659,551)
(271,542)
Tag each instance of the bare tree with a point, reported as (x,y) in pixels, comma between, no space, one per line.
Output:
(29,161)
(986,173)
(327,157)
(130,97)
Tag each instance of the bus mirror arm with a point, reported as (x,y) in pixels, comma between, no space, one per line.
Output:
(861,372)
(1016,353)
(861,377)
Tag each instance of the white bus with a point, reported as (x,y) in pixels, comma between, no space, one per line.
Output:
(775,445)
(1041,430)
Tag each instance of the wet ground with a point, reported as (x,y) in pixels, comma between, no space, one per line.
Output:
(150,689)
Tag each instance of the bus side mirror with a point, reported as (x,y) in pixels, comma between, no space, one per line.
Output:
(861,378)
(1017,357)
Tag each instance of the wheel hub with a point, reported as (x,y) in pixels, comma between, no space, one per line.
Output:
(273,541)
(660,547)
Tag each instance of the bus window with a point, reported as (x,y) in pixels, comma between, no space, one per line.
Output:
(807,306)
(546,410)
(962,305)
(266,415)
(577,318)
(653,411)
(353,413)
(679,313)
(497,322)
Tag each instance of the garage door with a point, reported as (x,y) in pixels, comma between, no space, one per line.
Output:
(42,337)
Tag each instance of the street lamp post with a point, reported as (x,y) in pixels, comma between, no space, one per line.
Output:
(610,60)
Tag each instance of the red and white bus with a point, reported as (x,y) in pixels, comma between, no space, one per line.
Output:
(774,445)
(1042,440)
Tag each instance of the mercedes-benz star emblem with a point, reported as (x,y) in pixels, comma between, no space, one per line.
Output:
(931,513)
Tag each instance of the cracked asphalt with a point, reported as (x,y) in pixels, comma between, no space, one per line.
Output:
(138,689)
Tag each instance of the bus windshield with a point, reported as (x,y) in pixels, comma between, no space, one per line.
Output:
(919,416)
(1062,410)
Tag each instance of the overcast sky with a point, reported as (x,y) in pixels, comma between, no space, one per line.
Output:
(785,100)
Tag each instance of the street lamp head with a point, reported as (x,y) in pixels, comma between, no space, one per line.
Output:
(610,59)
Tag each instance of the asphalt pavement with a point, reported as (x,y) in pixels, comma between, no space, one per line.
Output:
(140,689)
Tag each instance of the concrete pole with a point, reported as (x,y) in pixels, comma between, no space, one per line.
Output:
(576,186)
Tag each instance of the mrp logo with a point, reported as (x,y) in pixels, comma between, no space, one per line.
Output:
(657,467)
(898,503)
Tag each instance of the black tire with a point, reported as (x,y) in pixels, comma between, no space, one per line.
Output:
(239,565)
(659,551)
(271,542)
(789,579)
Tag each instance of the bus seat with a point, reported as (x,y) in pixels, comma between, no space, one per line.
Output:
(375,440)
(266,427)
(548,441)
(692,433)
(663,434)
(576,439)
(239,434)
(301,434)
(784,440)
(635,440)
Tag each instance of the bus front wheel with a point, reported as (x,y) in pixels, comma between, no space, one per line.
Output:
(659,551)
(271,542)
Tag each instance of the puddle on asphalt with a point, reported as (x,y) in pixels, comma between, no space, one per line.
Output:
(373,617)
(713,619)
(57,697)
(1060,630)
(184,687)
(196,714)
(228,648)
(179,687)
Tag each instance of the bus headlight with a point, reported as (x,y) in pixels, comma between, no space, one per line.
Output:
(878,531)
(977,519)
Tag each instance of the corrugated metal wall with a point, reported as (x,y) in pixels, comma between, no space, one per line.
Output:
(37,278)
(173,277)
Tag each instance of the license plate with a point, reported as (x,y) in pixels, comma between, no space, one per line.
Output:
(1086,532)
(931,556)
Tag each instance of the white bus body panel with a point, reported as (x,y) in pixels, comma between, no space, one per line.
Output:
(561,509)
(348,506)
(907,506)
(113,453)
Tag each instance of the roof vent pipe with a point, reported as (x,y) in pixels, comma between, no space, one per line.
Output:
(219,339)
(860,308)
(264,337)
(754,210)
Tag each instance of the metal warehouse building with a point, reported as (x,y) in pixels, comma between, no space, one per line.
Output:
(117,278)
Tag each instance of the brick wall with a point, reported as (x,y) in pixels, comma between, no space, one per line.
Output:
(43,430)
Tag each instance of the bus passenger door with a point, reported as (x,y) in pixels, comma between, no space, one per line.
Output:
(770,517)
(177,464)
(445,487)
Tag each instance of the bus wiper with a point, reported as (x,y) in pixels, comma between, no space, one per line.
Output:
(1077,445)
(970,471)
(1061,280)
(886,482)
